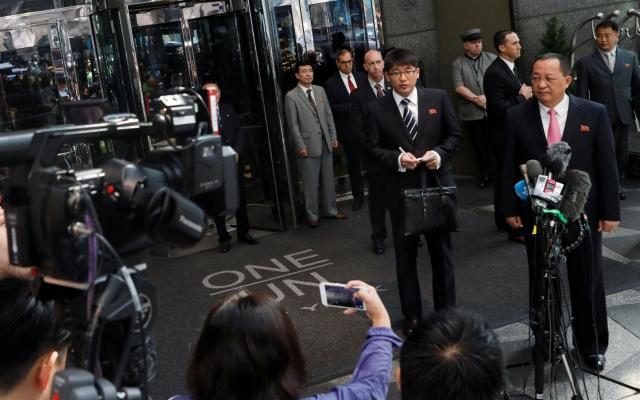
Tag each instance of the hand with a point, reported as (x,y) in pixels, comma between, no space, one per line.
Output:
(525,91)
(302,152)
(409,161)
(515,222)
(6,269)
(432,159)
(334,144)
(607,226)
(376,311)
(481,101)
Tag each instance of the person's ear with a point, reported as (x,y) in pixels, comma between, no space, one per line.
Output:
(46,368)
(398,383)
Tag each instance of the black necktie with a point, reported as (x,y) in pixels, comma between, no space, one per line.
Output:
(409,120)
(313,103)
(515,73)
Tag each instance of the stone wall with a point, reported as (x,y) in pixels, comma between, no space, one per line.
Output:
(411,24)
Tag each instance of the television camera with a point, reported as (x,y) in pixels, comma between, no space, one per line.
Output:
(78,223)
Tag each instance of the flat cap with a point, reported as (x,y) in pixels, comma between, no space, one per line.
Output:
(471,34)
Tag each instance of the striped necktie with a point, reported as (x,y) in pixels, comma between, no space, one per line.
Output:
(409,119)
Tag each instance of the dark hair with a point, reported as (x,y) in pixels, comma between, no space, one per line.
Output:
(344,51)
(304,62)
(608,23)
(399,57)
(499,38)
(248,349)
(451,355)
(28,329)
(564,62)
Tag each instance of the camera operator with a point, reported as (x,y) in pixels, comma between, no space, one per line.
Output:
(249,349)
(33,343)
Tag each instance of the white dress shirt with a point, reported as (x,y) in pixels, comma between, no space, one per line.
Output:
(413,107)
(345,78)
(562,109)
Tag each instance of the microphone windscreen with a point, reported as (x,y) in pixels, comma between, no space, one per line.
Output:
(521,190)
(576,192)
(534,168)
(560,151)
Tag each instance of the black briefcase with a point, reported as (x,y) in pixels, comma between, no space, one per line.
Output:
(429,209)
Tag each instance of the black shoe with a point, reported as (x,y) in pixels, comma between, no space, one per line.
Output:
(358,202)
(409,325)
(595,362)
(622,195)
(378,247)
(247,238)
(225,245)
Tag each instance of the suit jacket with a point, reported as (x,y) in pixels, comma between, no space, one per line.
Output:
(501,88)
(340,105)
(587,131)
(619,92)
(307,129)
(359,98)
(231,130)
(438,130)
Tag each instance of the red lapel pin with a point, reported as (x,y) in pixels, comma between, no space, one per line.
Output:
(585,128)
(432,111)
(627,65)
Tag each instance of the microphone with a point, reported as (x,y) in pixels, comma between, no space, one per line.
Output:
(534,169)
(521,189)
(575,194)
(560,151)
(525,174)
(555,168)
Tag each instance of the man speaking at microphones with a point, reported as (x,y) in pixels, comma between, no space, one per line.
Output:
(554,116)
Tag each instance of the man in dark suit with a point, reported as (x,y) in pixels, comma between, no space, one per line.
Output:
(232,135)
(338,88)
(412,130)
(374,87)
(503,89)
(584,125)
(611,76)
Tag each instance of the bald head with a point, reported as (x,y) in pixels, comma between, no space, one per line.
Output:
(374,65)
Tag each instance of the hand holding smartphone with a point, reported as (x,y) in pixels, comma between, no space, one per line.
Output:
(425,158)
(338,295)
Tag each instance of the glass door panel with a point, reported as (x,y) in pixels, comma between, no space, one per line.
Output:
(161,58)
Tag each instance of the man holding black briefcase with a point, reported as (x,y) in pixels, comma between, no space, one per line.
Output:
(414,133)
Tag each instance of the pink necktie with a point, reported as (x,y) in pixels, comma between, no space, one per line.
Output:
(553,135)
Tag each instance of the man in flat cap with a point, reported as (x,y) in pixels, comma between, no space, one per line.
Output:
(467,73)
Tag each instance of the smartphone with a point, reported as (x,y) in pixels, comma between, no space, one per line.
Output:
(338,295)
(425,159)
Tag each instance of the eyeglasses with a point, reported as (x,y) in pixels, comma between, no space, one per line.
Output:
(397,74)
(345,62)
(549,79)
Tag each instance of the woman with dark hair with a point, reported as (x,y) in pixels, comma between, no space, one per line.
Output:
(249,350)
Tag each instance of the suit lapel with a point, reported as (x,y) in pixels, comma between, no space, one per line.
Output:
(571,126)
(422,117)
(536,121)
(599,62)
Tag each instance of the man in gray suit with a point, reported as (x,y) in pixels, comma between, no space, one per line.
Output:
(313,132)
(611,76)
